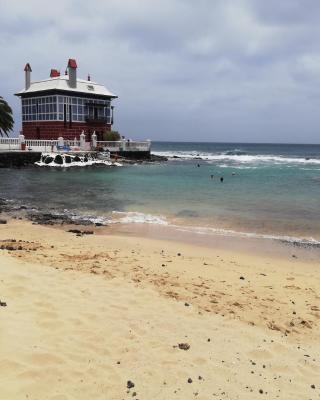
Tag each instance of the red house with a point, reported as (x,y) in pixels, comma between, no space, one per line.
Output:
(64,105)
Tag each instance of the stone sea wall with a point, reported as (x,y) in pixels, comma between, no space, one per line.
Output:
(10,159)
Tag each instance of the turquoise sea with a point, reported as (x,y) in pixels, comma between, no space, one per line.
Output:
(268,190)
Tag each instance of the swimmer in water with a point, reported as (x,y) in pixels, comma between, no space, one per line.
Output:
(221,179)
(211,176)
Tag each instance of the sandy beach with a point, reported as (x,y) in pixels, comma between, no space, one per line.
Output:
(107,316)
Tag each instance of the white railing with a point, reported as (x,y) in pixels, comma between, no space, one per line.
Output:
(27,144)
(125,145)
(10,144)
(137,146)
(73,145)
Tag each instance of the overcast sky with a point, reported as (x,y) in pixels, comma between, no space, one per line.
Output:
(205,70)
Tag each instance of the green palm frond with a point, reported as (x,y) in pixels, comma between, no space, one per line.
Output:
(6,119)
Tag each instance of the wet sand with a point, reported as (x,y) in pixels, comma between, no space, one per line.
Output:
(85,315)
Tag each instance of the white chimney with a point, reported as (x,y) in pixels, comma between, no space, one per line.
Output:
(72,70)
(27,70)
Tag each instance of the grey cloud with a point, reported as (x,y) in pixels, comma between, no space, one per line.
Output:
(220,70)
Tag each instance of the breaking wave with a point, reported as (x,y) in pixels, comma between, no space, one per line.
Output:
(238,156)
(132,217)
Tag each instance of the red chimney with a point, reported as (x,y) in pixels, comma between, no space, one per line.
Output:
(72,63)
(72,72)
(54,73)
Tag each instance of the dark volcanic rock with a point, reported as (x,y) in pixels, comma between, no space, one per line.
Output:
(3,221)
(47,218)
(74,231)
(130,384)
(154,157)
(184,346)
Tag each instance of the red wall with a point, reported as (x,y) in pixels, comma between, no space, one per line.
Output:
(54,129)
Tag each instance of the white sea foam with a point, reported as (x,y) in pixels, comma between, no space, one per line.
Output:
(137,218)
(141,218)
(93,219)
(239,158)
(237,166)
(227,232)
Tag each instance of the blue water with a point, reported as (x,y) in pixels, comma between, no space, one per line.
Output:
(266,189)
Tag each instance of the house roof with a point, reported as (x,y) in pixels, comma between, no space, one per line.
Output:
(62,83)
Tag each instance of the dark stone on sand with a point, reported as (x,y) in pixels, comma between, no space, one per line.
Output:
(87,232)
(74,231)
(200,378)
(118,362)
(209,340)
(3,221)
(242,277)
(187,304)
(130,384)
(3,304)
(98,224)
(313,386)
(163,265)
(179,254)
(189,380)
(184,346)
(260,391)
(134,394)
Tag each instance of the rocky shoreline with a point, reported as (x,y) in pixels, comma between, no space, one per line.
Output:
(42,217)
(23,159)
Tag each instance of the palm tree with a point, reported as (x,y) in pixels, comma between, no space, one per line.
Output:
(6,120)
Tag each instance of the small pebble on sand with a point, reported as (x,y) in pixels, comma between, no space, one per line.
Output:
(130,384)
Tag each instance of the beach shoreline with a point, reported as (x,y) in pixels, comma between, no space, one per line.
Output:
(112,297)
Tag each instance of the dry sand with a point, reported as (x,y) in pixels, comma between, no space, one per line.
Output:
(87,314)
